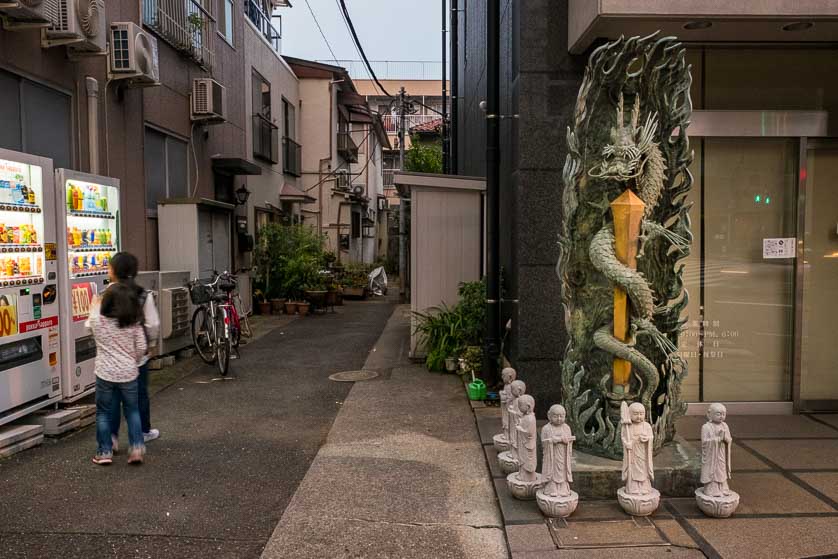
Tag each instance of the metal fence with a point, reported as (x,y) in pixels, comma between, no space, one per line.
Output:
(391,122)
(184,24)
(265,139)
(292,161)
(267,24)
(392,69)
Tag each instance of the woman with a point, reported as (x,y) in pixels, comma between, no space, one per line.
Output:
(123,269)
(120,345)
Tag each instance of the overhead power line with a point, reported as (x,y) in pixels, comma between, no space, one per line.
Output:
(359,47)
(317,23)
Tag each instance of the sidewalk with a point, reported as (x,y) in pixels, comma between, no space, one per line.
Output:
(785,469)
(402,474)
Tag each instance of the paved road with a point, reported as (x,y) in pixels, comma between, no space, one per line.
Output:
(230,459)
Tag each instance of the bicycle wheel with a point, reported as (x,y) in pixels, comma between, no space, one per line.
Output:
(223,346)
(244,324)
(203,335)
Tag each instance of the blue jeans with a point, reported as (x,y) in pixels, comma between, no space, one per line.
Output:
(108,396)
(142,401)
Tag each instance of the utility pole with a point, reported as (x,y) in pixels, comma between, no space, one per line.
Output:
(492,351)
(402,212)
(444,127)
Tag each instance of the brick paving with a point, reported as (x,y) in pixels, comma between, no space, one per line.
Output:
(785,469)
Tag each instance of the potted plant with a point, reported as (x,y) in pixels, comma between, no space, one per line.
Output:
(303,307)
(262,304)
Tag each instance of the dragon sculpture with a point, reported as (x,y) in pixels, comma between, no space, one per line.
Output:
(608,153)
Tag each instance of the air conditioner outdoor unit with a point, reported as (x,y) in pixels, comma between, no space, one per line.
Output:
(209,101)
(23,14)
(133,55)
(79,24)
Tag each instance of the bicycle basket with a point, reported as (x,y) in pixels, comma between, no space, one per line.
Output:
(226,284)
(199,293)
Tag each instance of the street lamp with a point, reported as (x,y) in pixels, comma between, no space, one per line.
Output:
(242,194)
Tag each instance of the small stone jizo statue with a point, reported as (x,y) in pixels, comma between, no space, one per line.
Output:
(715,498)
(501,440)
(508,460)
(637,497)
(555,498)
(526,481)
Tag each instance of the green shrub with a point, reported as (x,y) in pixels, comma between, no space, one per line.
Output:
(288,260)
(447,331)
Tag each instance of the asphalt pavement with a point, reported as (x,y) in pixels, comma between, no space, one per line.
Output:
(231,455)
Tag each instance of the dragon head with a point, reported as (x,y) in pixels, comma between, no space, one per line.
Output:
(624,155)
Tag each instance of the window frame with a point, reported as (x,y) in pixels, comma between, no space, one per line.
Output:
(222,17)
(167,138)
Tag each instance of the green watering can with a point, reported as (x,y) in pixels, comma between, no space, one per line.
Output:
(477,390)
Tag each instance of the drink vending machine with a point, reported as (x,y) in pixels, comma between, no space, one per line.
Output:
(89,227)
(29,310)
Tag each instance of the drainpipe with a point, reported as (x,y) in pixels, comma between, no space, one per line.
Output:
(93,123)
(455,84)
(493,190)
(444,127)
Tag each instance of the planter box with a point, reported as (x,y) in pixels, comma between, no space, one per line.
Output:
(355,292)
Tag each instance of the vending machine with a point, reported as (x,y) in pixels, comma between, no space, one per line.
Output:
(29,310)
(89,223)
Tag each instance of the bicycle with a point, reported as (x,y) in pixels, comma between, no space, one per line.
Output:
(217,325)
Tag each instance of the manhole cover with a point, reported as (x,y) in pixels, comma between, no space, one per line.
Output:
(353,376)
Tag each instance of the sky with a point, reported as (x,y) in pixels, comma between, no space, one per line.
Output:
(387,29)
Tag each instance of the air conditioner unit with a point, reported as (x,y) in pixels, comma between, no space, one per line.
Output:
(23,14)
(79,24)
(133,55)
(209,101)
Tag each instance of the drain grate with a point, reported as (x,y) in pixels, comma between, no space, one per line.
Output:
(353,376)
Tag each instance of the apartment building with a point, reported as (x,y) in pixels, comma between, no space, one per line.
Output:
(765,98)
(342,163)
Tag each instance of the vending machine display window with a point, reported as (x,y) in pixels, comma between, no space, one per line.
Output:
(92,227)
(21,224)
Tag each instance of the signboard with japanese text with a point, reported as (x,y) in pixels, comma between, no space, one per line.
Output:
(779,248)
(8,316)
(82,296)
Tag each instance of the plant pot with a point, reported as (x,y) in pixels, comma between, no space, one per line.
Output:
(303,308)
(451,364)
(317,298)
(339,298)
(354,292)
(290,307)
(276,305)
(265,307)
(331,298)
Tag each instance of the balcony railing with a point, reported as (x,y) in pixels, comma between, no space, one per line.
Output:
(389,178)
(264,22)
(292,162)
(391,122)
(392,69)
(184,24)
(265,139)
(347,147)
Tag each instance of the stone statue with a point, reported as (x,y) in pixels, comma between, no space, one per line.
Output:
(625,227)
(508,460)
(526,481)
(715,498)
(501,440)
(637,497)
(555,498)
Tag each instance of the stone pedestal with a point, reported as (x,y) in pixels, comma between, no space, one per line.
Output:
(501,442)
(508,462)
(639,505)
(557,507)
(677,472)
(717,507)
(524,490)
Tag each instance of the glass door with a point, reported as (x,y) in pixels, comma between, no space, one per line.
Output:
(747,283)
(819,375)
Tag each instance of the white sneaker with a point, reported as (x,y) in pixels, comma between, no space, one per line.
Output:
(151,435)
